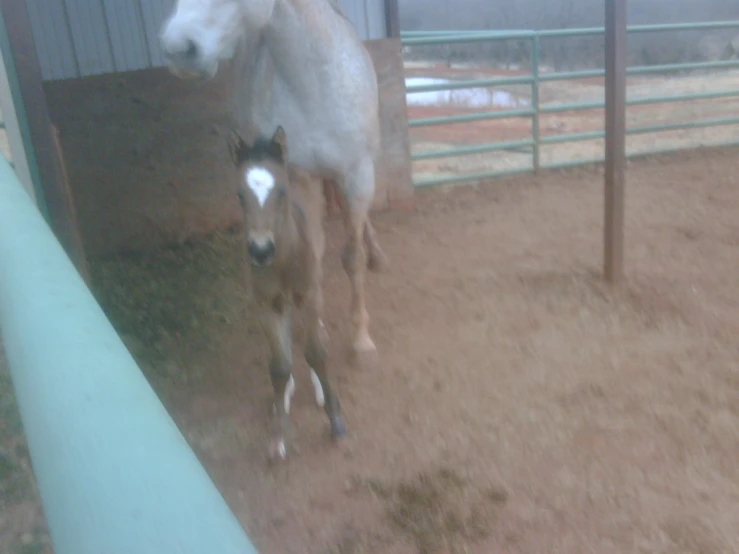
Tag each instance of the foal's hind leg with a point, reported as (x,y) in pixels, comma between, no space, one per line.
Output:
(275,322)
(358,190)
(316,354)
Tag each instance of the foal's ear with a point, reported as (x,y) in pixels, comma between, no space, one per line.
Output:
(279,144)
(237,148)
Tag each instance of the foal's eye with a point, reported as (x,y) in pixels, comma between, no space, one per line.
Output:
(240,194)
(281,193)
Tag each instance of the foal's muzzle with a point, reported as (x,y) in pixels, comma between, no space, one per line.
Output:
(261,253)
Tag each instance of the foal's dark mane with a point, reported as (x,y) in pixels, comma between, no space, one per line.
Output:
(263,148)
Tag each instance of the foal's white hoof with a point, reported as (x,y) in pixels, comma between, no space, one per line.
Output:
(323,332)
(277,451)
(289,392)
(318,389)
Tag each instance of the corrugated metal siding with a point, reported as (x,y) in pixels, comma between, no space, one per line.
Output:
(75,38)
(53,38)
(154,12)
(368,17)
(128,35)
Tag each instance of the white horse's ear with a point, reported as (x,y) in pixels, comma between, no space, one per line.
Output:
(237,148)
(279,141)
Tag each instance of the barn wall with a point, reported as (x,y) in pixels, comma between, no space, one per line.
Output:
(77,38)
(147,159)
(145,151)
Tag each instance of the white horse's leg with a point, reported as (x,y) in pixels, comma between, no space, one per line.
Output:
(358,188)
(377,260)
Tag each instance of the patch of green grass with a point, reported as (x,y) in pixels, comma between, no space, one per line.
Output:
(182,294)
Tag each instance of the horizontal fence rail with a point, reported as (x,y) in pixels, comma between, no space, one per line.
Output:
(115,474)
(533,112)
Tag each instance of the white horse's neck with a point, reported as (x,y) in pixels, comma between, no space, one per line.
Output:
(300,34)
(308,71)
(298,46)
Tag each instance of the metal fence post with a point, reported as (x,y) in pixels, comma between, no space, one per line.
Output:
(615,143)
(535,101)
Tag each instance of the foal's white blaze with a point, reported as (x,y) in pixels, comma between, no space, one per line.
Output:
(289,391)
(260,182)
(320,400)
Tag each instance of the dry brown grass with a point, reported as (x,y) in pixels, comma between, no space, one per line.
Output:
(439,511)
(22,526)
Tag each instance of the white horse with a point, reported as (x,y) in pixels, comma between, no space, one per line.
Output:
(298,64)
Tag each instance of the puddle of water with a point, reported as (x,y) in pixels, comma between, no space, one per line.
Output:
(470,98)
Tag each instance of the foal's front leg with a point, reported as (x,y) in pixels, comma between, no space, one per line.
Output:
(275,322)
(316,354)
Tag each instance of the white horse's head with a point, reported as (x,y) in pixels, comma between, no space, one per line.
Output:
(200,33)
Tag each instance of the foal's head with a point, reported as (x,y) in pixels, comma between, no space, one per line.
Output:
(263,192)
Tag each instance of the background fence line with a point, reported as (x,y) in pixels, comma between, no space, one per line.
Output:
(535,79)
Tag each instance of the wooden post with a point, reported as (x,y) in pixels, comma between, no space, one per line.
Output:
(56,201)
(68,199)
(615,43)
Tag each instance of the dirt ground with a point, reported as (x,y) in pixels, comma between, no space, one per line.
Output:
(520,405)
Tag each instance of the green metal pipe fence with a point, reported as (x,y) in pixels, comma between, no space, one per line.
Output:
(533,145)
(114,472)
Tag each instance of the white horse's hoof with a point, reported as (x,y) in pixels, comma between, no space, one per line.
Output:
(364,352)
(364,343)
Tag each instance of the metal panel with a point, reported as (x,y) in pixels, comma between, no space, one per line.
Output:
(126,34)
(154,12)
(53,39)
(75,38)
(90,36)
